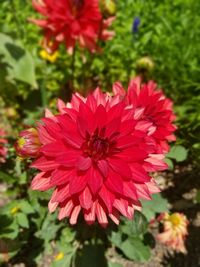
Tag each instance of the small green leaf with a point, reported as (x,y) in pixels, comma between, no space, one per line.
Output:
(116,238)
(26,207)
(6,177)
(156,205)
(22,220)
(179,153)
(135,227)
(169,163)
(134,249)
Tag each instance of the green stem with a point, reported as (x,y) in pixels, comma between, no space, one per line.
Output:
(43,87)
(20,30)
(73,67)
(44,94)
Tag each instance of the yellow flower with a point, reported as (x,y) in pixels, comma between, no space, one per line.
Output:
(59,256)
(174,230)
(51,57)
(14,210)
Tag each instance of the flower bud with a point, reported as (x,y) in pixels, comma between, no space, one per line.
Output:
(28,144)
(108,7)
(145,64)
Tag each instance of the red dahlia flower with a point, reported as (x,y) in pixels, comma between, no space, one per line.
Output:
(152,109)
(95,158)
(3,149)
(71,21)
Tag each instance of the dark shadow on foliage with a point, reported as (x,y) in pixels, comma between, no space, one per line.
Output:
(15,51)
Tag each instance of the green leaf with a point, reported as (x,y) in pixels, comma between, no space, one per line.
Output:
(156,205)
(116,238)
(135,227)
(20,62)
(169,163)
(22,220)
(67,235)
(179,153)
(6,177)
(26,207)
(11,231)
(134,249)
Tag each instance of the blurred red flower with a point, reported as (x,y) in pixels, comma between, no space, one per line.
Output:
(152,110)
(71,21)
(3,149)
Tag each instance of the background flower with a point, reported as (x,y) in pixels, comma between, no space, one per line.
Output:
(152,109)
(174,230)
(3,149)
(71,21)
(135,26)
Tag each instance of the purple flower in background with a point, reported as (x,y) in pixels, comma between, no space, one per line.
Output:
(135,26)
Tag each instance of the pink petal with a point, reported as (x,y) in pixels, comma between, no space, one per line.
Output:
(114,183)
(90,215)
(61,106)
(83,163)
(86,199)
(120,167)
(61,176)
(65,211)
(142,191)
(139,174)
(74,215)
(122,206)
(40,183)
(52,206)
(107,197)
(44,164)
(101,215)
(77,184)
(95,180)
(61,194)
(103,167)
(118,89)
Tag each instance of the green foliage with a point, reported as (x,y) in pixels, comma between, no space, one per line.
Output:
(18,62)
(130,238)
(157,205)
(178,153)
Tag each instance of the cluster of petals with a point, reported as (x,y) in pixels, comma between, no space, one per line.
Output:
(28,144)
(174,231)
(71,22)
(97,158)
(3,149)
(153,110)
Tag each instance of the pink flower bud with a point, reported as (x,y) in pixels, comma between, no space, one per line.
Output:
(28,145)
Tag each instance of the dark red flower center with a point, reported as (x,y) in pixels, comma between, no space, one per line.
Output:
(76,6)
(97,146)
